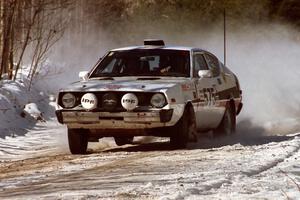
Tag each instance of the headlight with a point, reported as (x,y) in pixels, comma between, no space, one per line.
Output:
(158,100)
(68,100)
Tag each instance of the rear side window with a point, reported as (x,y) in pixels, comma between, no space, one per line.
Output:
(213,64)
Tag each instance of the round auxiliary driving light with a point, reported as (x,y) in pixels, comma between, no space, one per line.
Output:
(129,101)
(68,100)
(89,101)
(158,100)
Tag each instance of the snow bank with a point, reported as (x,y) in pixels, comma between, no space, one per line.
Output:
(14,96)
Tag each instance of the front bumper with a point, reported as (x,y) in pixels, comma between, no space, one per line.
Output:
(114,120)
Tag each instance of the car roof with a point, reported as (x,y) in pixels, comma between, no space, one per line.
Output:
(183,48)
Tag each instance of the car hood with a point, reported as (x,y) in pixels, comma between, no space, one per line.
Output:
(126,84)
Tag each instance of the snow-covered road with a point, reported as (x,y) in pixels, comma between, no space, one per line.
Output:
(42,139)
(252,167)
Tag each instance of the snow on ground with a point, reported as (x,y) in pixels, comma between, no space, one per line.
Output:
(42,139)
(252,167)
(14,96)
(260,162)
(23,129)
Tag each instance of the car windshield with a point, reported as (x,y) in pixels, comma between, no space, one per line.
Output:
(144,62)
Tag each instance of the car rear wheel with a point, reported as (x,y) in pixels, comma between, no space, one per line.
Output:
(78,141)
(120,141)
(228,123)
(184,129)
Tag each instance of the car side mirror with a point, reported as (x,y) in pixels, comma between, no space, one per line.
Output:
(204,74)
(83,75)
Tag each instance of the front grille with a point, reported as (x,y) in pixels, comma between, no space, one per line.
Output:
(109,101)
(143,98)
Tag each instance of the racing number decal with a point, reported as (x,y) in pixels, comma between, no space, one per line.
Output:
(209,95)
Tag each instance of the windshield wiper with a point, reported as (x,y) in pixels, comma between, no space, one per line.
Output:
(116,74)
(102,77)
(176,74)
(148,78)
(106,78)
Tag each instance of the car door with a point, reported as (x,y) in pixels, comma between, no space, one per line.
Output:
(205,105)
(215,88)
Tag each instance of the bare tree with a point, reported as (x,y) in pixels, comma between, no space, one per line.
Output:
(28,29)
(38,28)
(47,33)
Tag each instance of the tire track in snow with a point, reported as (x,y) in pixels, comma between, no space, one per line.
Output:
(44,139)
(63,180)
(232,180)
(22,167)
(273,163)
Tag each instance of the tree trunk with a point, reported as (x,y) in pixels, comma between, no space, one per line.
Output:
(1,32)
(7,49)
(25,43)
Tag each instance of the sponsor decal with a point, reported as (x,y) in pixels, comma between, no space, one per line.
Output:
(129,101)
(88,101)
(209,96)
(185,87)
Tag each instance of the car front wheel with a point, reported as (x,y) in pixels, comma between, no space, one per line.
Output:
(184,129)
(78,141)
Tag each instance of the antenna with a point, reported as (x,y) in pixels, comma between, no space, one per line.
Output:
(224,37)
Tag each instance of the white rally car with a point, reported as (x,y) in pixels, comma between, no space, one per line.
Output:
(152,90)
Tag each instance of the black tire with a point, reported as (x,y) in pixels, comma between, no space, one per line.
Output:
(78,141)
(120,141)
(228,123)
(184,129)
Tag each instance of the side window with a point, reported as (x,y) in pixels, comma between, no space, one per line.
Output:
(213,64)
(199,64)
